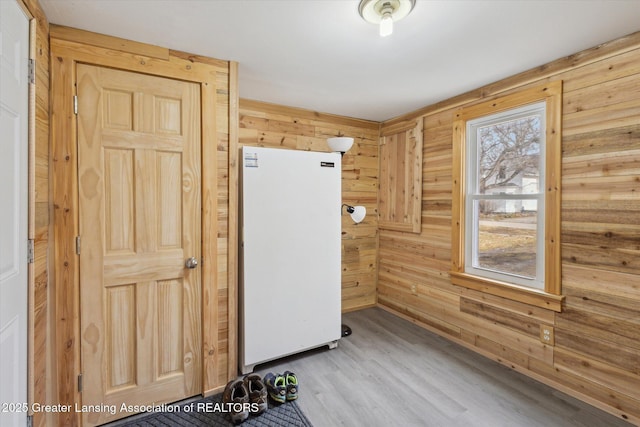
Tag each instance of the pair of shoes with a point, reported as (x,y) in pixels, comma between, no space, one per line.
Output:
(282,387)
(245,395)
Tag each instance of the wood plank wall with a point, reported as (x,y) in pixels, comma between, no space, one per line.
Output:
(42,378)
(269,125)
(596,355)
(597,346)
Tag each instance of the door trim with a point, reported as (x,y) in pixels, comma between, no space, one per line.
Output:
(219,103)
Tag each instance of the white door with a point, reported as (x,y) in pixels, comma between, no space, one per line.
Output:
(14,95)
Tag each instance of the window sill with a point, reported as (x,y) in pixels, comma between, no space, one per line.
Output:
(513,292)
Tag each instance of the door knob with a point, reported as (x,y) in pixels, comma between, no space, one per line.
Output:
(191,262)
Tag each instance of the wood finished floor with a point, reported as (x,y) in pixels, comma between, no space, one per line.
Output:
(390,372)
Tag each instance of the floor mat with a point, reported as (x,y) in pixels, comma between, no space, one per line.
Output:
(203,412)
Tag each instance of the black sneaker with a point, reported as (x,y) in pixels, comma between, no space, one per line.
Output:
(257,393)
(236,397)
(276,387)
(291,381)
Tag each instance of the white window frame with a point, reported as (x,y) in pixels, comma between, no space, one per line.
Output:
(473,196)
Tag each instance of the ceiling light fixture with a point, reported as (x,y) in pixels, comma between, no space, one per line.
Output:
(385,12)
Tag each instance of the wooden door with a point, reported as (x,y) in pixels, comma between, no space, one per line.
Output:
(139,195)
(14,111)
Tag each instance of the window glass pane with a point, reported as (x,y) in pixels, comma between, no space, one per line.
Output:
(509,156)
(506,233)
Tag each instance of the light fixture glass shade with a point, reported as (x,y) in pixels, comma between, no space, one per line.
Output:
(340,144)
(386,25)
(359,212)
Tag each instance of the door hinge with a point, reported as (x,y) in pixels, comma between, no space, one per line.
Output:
(77,245)
(29,420)
(30,251)
(80,383)
(75,104)
(32,71)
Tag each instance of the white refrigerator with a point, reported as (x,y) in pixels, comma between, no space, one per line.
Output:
(290,249)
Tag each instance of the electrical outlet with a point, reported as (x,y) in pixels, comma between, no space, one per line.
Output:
(546,334)
(414,290)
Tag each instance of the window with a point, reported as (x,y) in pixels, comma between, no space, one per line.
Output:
(506,201)
(503,196)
